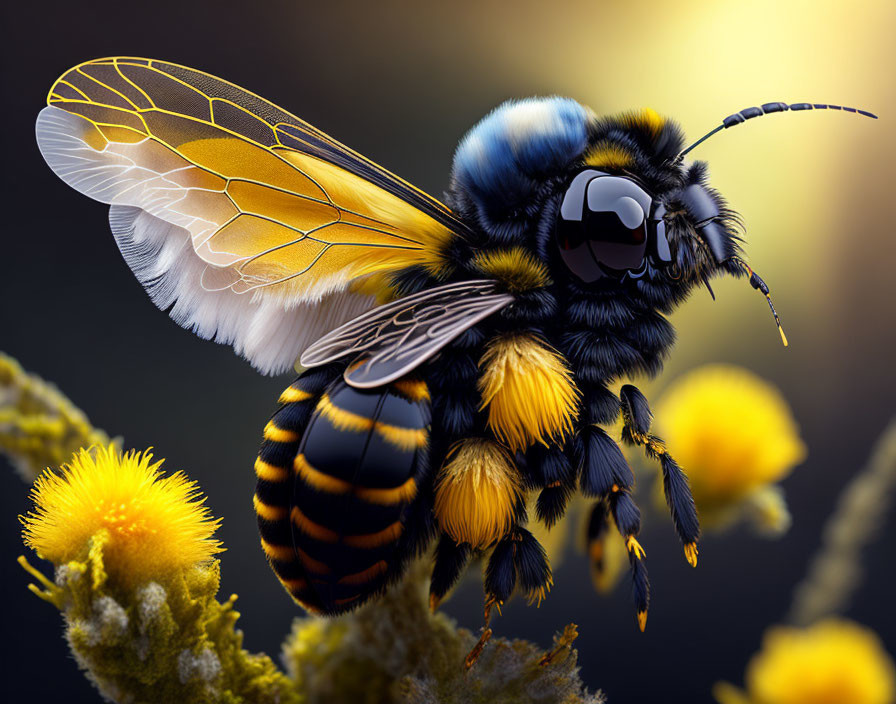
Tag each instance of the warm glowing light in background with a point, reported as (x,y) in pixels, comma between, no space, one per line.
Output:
(804,183)
(790,175)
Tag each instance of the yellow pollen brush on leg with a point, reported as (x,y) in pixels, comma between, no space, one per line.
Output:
(476,492)
(528,390)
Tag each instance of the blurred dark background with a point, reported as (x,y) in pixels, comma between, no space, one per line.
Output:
(401,83)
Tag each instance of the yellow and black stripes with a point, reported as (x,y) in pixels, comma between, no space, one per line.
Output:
(337,469)
(321,481)
(274,480)
(341,419)
(359,466)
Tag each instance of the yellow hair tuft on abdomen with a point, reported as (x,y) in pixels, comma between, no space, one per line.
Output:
(477,490)
(528,390)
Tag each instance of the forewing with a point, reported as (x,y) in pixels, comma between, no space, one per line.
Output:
(393,339)
(268,204)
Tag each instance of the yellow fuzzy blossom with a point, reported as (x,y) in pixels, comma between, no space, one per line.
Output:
(152,525)
(735,436)
(136,582)
(39,426)
(831,662)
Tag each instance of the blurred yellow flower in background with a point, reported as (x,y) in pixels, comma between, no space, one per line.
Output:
(152,525)
(735,437)
(831,662)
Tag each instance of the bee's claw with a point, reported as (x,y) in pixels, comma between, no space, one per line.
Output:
(473,656)
(690,554)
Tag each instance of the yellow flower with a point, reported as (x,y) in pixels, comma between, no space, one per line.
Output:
(735,436)
(151,525)
(831,662)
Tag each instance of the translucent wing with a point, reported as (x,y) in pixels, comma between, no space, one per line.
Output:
(217,193)
(393,339)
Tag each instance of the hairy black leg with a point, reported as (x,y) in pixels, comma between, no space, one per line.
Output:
(625,515)
(449,562)
(599,404)
(549,469)
(636,418)
(605,474)
(601,465)
(627,518)
(451,379)
(518,559)
(452,386)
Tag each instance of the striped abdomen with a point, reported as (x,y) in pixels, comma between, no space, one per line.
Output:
(336,471)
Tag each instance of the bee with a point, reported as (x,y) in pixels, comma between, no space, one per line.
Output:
(457,357)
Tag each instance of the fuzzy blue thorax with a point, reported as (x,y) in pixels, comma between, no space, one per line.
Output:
(504,158)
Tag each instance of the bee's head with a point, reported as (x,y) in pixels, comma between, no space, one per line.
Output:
(631,217)
(606,203)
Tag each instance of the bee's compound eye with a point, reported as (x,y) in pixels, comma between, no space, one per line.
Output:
(615,221)
(602,227)
(575,250)
(570,235)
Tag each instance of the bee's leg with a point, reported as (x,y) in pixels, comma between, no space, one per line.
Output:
(636,418)
(596,540)
(627,518)
(603,469)
(518,558)
(486,636)
(605,474)
(549,469)
(450,560)
(599,462)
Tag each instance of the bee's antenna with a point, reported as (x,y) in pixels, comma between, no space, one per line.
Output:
(766,109)
(760,285)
